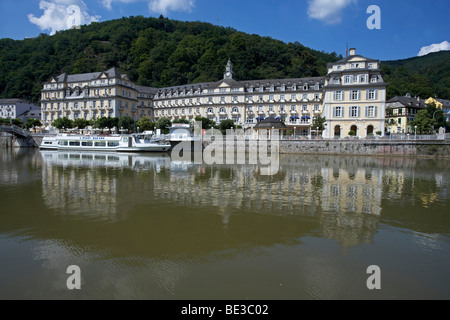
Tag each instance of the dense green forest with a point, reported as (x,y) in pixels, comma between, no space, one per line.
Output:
(161,52)
(427,76)
(153,52)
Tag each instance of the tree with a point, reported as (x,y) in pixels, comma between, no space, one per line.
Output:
(206,123)
(33,123)
(145,124)
(185,121)
(80,123)
(423,122)
(127,123)
(163,124)
(226,125)
(63,123)
(319,122)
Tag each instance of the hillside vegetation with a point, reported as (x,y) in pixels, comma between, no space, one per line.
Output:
(160,52)
(153,52)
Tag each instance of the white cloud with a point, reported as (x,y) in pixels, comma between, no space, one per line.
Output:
(62,15)
(329,11)
(158,6)
(163,6)
(435,47)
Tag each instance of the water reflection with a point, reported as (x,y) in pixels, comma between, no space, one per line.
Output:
(147,227)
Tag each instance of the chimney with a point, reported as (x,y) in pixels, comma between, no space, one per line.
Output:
(352,51)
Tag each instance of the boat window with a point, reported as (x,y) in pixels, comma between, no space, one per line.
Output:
(100,144)
(113,144)
(87,144)
(74,143)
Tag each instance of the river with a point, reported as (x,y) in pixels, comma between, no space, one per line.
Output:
(145,227)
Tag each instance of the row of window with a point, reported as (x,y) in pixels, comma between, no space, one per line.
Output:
(271,108)
(355,112)
(272,88)
(371,94)
(235,99)
(353,79)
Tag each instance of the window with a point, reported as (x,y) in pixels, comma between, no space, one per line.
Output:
(222,110)
(74,143)
(337,80)
(100,144)
(250,98)
(113,144)
(293,97)
(338,112)
(338,95)
(355,79)
(355,95)
(87,144)
(293,108)
(305,97)
(373,80)
(372,94)
(304,108)
(210,110)
(363,78)
(371,111)
(354,112)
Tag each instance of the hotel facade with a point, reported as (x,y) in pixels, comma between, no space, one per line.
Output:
(92,96)
(351,97)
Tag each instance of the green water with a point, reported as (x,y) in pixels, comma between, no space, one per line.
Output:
(144,227)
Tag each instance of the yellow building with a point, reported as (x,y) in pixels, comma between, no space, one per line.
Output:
(354,97)
(400,111)
(297,101)
(92,96)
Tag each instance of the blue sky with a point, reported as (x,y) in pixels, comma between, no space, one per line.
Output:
(407,26)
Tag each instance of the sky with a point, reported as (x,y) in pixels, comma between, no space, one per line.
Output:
(378,29)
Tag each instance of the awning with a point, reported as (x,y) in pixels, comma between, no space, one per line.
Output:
(295,117)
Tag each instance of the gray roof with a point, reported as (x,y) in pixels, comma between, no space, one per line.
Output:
(247,83)
(270,123)
(82,77)
(408,101)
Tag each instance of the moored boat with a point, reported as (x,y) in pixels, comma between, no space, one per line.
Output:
(119,143)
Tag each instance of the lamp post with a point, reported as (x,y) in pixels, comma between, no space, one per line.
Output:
(415,132)
(295,133)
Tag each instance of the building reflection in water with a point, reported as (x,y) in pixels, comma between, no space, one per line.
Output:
(343,192)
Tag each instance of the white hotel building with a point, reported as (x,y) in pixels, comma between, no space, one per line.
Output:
(351,96)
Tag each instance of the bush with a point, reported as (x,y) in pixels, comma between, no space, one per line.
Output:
(352,133)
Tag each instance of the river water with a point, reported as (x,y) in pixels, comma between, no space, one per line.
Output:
(146,227)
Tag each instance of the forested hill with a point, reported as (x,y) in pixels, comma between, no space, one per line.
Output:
(160,52)
(153,52)
(425,76)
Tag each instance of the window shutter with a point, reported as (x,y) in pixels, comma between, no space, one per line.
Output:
(367,94)
(359,112)
(376,94)
(334,112)
(367,112)
(375,112)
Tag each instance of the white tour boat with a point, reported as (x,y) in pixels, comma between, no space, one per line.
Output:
(119,143)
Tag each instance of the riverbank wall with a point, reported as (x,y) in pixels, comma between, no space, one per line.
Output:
(423,148)
(407,148)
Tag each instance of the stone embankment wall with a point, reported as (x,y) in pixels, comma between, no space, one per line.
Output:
(360,147)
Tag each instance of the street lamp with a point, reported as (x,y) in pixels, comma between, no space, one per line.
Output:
(295,128)
(415,132)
